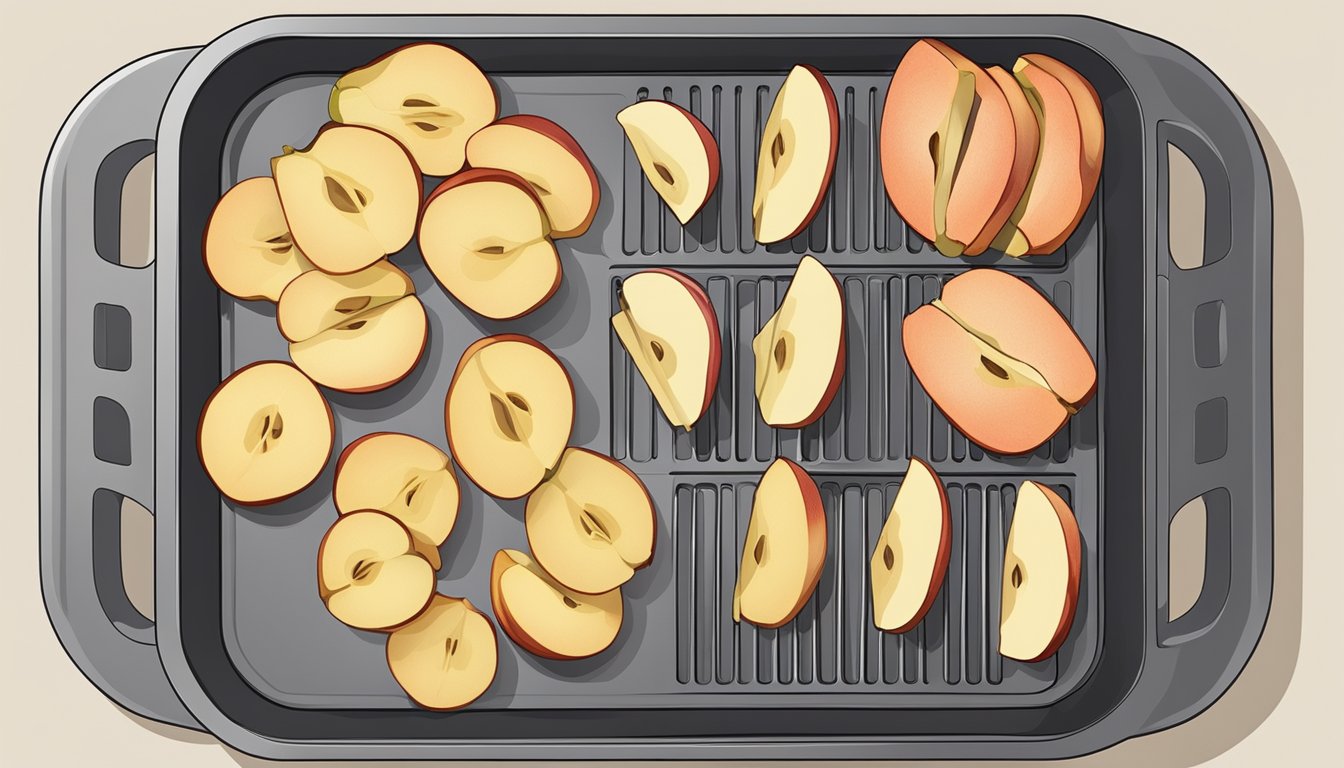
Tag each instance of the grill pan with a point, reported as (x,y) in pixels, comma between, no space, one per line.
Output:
(241,645)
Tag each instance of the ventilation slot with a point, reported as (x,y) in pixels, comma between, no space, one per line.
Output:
(111,337)
(123,563)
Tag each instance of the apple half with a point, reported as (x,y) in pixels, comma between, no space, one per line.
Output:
(248,250)
(546,618)
(910,558)
(446,657)
(1042,567)
(784,550)
(668,325)
(797,156)
(552,163)
(677,153)
(369,574)
(800,351)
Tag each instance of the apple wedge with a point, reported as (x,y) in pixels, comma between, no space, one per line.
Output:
(677,153)
(369,574)
(784,550)
(350,198)
(544,617)
(1041,571)
(445,658)
(404,477)
(591,523)
(552,163)
(428,96)
(487,240)
(910,559)
(265,433)
(248,250)
(797,157)
(509,412)
(800,351)
(668,325)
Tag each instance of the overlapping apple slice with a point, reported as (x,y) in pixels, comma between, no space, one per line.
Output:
(1042,566)
(677,153)
(550,160)
(447,657)
(248,249)
(784,550)
(369,574)
(797,157)
(910,559)
(668,325)
(546,618)
(800,351)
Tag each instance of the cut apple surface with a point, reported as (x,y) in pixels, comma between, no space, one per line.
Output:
(669,327)
(401,476)
(265,433)
(545,617)
(369,573)
(486,238)
(248,249)
(320,302)
(677,153)
(591,523)
(350,198)
(910,559)
(428,96)
(447,657)
(800,352)
(371,351)
(797,156)
(550,160)
(509,412)
(784,550)
(1041,570)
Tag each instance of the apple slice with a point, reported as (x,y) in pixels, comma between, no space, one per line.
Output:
(784,550)
(800,351)
(677,153)
(669,327)
(910,559)
(265,433)
(320,302)
(369,574)
(486,238)
(591,523)
(1041,571)
(248,249)
(428,96)
(447,657)
(509,412)
(370,351)
(797,156)
(401,476)
(550,160)
(546,618)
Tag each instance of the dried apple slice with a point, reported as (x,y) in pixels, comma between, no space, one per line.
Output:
(677,153)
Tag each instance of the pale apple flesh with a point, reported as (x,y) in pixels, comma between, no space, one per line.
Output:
(544,617)
(591,523)
(248,249)
(800,351)
(371,351)
(909,561)
(1042,567)
(319,302)
(797,156)
(784,550)
(447,657)
(369,573)
(678,154)
(265,433)
(552,163)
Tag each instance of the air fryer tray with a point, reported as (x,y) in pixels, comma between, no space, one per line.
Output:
(1182,410)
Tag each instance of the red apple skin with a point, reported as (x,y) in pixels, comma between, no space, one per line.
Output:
(944,553)
(833,113)
(715,343)
(1028,134)
(559,135)
(837,374)
(816,537)
(1073,544)
(711,150)
(501,563)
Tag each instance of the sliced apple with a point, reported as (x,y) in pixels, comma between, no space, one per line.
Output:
(350,198)
(797,156)
(320,302)
(800,351)
(369,574)
(368,352)
(545,617)
(550,160)
(428,96)
(509,412)
(591,523)
(669,327)
(486,238)
(265,433)
(248,249)
(401,476)
(910,559)
(447,657)
(1027,128)
(677,153)
(784,550)
(1041,572)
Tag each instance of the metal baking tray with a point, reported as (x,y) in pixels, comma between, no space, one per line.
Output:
(241,644)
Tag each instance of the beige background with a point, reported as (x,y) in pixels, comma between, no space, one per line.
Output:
(1273,55)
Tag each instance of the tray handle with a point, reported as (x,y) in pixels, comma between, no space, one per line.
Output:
(97,393)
